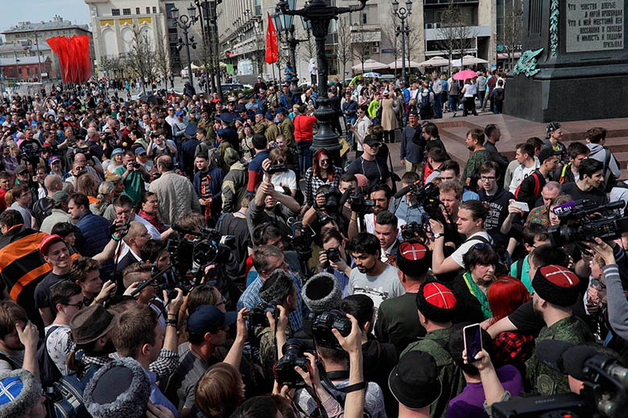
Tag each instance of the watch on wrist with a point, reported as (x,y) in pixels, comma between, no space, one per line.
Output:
(438,235)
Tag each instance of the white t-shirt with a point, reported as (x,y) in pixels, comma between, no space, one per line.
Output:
(286,178)
(519,175)
(369,221)
(466,246)
(378,288)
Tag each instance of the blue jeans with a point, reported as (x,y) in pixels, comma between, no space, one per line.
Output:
(481,94)
(438,105)
(305,155)
(349,120)
(453,103)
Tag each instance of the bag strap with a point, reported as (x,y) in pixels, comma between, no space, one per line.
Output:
(6,358)
(537,184)
(607,160)
(520,268)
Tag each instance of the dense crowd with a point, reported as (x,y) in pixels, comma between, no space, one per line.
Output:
(179,255)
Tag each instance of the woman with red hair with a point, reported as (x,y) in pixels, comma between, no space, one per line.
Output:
(504,296)
(323,172)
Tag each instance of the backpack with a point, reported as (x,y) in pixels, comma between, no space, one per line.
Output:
(48,370)
(67,400)
(425,101)
(537,185)
(609,178)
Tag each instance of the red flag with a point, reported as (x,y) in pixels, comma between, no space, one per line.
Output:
(271,42)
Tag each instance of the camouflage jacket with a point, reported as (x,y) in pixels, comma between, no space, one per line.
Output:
(451,377)
(542,378)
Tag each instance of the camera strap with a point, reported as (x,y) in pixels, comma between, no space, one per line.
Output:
(340,375)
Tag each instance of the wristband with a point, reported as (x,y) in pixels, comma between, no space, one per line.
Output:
(171,322)
(113,237)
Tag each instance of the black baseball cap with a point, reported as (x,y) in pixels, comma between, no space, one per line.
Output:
(546,153)
(208,317)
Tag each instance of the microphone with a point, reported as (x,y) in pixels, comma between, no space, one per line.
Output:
(406,189)
(567,208)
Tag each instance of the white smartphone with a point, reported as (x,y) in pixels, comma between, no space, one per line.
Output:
(522,205)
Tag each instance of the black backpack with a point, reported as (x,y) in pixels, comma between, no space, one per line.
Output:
(609,178)
(48,370)
(66,400)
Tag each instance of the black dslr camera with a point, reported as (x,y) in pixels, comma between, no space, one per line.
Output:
(284,368)
(257,316)
(325,322)
(359,204)
(276,169)
(333,254)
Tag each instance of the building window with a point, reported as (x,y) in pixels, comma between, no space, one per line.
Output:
(126,12)
(28,70)
(147,10)
(115,12)
(154,9)
(137,10)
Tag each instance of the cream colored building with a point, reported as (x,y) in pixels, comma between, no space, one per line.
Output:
(114,23)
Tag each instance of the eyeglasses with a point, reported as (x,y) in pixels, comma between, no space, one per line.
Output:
(488,178)
(78,304)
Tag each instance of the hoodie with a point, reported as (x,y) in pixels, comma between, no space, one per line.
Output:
(598,152)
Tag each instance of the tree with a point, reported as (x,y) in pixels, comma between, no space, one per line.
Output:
(343,46)
(361,46)
(455,34)
(162,56)
(141,58)
(511,35)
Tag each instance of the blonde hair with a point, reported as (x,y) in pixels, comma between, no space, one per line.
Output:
(104,189)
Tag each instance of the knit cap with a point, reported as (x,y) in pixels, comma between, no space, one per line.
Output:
(413,258)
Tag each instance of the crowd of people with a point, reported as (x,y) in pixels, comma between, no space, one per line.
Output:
(197,258)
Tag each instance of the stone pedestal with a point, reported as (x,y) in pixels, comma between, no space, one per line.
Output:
(574,65)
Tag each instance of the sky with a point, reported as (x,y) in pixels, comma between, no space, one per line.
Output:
(14,11)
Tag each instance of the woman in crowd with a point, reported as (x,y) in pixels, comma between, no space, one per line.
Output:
(389,117)
(321,173)
(505,295)
(468,92)
(285,181)
(114,162)
(87,185)
(103,205)
(472,285)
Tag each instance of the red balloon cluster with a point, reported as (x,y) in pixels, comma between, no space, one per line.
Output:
(73,54)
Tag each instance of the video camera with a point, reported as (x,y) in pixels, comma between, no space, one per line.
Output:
(324,322)
(359,204)
(284,368)
(302,239)
(605,391)
(583,220)
(257,316)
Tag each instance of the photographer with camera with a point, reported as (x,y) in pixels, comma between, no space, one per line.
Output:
(284,179)
(134,176)
(269,320)
(267,259)
(270,205)
(326,205)
(334,259)
(380,196)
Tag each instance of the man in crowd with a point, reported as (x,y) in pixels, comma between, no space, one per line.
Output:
(175,193)
(588,185)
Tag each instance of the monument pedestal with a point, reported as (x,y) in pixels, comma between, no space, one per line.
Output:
(574,65)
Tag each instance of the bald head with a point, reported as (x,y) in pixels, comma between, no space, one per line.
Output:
(166,163)
(53,184)
(137,230)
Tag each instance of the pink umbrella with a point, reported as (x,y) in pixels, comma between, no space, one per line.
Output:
(465,75)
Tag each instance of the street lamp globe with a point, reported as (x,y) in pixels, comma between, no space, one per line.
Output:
(174,12)
(395,5)
(409,5)
(192,11)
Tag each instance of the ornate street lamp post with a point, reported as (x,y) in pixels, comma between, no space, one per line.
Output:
(185,22)
(319,13)
(402,13)
(284,23)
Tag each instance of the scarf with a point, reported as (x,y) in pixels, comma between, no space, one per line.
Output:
(153,220)
(479,295)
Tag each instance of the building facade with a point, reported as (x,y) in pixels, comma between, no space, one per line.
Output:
(29,39)
(370,33)
(24,68)
(117,23)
